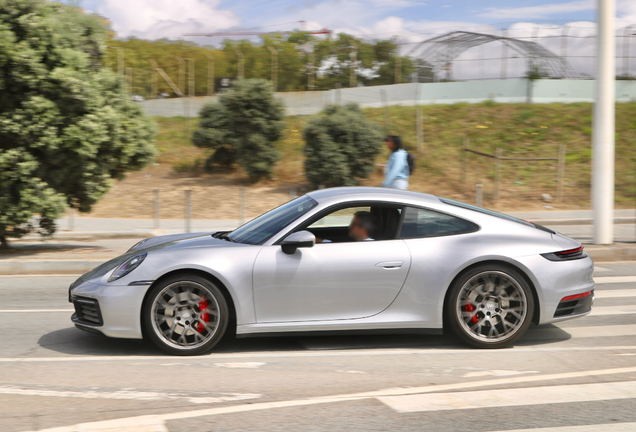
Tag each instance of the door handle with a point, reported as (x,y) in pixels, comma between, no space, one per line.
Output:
(390,264)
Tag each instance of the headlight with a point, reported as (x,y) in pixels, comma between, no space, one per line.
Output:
(139,243)
(127,267)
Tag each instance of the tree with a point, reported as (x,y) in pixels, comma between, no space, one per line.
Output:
(67,127)
(340,146)
(243,126)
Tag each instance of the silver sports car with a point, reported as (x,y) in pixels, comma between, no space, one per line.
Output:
(338,259)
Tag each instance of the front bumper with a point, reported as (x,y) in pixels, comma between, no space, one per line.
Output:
(113,310)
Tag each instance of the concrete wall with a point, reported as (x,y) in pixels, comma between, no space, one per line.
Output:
(503,91)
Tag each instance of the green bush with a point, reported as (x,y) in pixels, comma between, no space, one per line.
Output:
(243,127)
(67,126)
(340,146)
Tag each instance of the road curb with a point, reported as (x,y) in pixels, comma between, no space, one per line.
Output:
(581,221)
(90,236)
(612,253)
(44,267)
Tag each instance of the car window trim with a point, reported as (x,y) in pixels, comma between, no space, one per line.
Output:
(435,211)
(336,207)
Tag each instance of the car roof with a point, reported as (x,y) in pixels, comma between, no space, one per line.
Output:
(322,195)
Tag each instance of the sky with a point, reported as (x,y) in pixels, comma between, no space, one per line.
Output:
(372,19)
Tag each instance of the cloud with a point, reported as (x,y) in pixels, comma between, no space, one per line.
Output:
(155,19)
(539,11)
(627,11)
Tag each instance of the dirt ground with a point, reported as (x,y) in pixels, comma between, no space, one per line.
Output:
(213,196)
(217,196)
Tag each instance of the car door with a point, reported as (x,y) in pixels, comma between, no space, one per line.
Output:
(330,281)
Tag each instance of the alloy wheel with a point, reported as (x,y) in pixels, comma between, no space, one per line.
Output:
(491,307)
(185,315)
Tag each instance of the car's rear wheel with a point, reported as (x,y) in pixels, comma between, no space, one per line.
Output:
(185,314)
(490,306)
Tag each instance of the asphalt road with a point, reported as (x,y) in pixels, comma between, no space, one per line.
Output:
(578,376)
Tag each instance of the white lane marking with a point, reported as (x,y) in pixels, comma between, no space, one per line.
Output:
(512,397)
(614,279)
(313,354)
(240,365)
(131,422)
(126,394)
(604,294)
(607,427)
(351,372)
(34,310)
(600,269)
(613,310)
(477,374)
(589,332)
(42,276)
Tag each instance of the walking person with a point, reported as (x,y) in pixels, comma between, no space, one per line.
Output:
(396,171)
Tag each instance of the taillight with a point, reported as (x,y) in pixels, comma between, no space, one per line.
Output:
(577,296)
(565,255)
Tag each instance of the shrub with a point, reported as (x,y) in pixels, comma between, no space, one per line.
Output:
(67,126)
(340,146)
(243,127)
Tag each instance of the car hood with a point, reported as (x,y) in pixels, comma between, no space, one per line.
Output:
(177,241)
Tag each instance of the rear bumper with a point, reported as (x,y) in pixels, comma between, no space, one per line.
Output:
(555,281)
(575,307)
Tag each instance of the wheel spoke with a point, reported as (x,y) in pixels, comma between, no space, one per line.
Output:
(175,306)
(500,302)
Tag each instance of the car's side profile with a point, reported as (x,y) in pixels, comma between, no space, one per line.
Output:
(433,263)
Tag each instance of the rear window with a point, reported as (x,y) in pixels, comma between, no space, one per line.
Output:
(423,223)
(486,211)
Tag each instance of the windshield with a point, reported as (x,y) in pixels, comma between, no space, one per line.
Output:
(261,229)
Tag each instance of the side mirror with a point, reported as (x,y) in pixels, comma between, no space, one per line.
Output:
(300,239)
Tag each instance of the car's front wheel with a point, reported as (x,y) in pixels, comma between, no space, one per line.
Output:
(490,306)
(185,314)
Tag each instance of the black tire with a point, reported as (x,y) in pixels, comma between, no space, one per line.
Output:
(185,314)
(495,309)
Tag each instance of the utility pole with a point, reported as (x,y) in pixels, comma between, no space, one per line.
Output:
(354,63)
(181,74)
(603,127)
(154,79)
(120,60)
(627,33)
(504,55)
(310,76)
(129,80)
(210,74)
(241,63)
(274,67)
(564,50)
(398,62)
(191,82)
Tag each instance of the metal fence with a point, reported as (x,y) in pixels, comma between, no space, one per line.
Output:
(519,51)
(550,51)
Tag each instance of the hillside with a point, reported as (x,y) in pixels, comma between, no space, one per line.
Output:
(518,129)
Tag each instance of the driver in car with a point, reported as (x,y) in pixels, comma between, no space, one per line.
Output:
(362,227)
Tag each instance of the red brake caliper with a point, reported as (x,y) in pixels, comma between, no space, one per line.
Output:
(470,308)
(205,317)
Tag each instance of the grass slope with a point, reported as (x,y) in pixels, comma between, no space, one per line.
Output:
(528,130)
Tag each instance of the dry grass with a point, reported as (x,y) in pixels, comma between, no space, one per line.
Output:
(518,129)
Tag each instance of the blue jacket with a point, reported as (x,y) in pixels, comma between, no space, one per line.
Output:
(397,168)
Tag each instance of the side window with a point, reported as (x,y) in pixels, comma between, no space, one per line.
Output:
(422,223)
(338,219)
